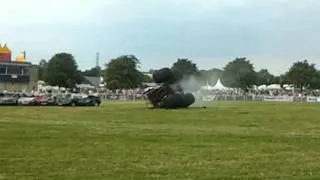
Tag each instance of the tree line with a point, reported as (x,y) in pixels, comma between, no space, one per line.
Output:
(123,72)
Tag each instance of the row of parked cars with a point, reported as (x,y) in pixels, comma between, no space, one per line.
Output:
(15,99)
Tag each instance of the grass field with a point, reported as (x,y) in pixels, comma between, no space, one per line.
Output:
(231,140)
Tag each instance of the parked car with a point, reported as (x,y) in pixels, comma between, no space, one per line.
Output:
(9,99)
(27,100)
(45,100)
(78,100)
(95,99)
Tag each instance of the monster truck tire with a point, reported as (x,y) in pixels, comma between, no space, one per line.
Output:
(188,99)
(164,75)
(173,102)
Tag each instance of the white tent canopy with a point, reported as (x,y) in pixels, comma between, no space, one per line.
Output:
(262,87)
(274,86)
(270,87)
(288,87)
(217,86)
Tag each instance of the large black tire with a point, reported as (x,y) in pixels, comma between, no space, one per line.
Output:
(164,75)
(173,102)
(188,99)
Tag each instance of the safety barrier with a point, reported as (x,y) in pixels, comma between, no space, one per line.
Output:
(262,98)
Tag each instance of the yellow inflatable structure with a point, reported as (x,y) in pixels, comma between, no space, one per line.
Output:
(5,55)
(20,58)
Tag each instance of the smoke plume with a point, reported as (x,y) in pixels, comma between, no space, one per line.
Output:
(192,85)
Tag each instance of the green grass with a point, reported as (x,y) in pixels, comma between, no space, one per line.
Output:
(231,140)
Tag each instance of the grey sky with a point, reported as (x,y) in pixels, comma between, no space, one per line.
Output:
(271,33)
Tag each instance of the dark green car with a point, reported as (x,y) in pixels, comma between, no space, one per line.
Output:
(78,100)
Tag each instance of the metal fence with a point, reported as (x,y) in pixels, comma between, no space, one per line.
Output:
(261,98)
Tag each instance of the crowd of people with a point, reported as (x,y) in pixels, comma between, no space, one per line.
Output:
(227,94)
(136,94)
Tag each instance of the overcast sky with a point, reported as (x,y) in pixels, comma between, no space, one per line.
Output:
(271,33)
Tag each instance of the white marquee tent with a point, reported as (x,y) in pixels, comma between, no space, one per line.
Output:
(217,86)
(220,86)
(270,87)
(262,87)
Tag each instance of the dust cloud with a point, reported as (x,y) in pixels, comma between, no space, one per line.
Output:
(192,85)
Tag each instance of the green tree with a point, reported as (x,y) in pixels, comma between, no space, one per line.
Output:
(211,76)
(283,79)
(96,71)
(62,71)
(80,77)
(184,68)
(43,64)
(147,79)
(151,71)
(315,83)
(239,74)
(122,73)
(264,77)
(302,74)
(276,80)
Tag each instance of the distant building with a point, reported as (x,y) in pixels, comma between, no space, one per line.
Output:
(17,75)
(93,80)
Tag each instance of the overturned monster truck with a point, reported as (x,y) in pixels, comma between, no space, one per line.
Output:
(168,94)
